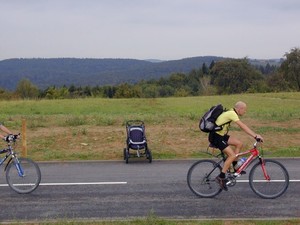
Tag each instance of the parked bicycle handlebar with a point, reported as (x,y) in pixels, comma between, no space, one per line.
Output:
(12,137)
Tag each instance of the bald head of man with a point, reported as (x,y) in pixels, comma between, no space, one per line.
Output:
(240,108)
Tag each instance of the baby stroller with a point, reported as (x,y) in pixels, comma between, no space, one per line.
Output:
(136,140)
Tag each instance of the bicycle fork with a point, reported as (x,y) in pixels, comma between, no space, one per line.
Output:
(20,170)
(263,167)
(18,166)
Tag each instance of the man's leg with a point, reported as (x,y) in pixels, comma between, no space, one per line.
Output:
(230,158)
(236,143)
(238,147)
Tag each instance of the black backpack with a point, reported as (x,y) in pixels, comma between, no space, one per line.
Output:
(207,122)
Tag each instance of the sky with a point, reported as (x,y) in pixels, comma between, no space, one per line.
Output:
(148,29)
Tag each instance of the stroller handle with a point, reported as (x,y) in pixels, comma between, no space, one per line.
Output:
(134,122)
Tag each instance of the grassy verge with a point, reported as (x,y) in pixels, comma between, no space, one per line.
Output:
(94,128)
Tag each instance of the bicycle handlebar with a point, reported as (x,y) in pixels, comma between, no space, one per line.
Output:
(257,141)
(12,137)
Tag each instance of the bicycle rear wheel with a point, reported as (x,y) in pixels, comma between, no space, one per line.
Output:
(273,187)
(201,178)
(23,176)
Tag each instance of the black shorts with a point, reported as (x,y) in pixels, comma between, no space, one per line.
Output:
(221,142)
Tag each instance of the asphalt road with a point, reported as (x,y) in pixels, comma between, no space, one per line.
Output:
(115,190)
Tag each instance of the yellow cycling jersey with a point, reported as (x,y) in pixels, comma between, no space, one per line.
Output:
(225,118)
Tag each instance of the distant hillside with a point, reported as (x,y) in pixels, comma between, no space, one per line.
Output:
(83,72)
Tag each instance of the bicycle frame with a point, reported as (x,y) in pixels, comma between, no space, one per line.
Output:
(10,153)
(254,153)
(5,158)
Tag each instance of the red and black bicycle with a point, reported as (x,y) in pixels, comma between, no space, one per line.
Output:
(268,178)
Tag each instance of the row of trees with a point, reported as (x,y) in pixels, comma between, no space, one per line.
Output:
(223,77)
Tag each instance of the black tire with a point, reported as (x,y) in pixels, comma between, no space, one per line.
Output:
(124,153)
(273,188)
(26,183)
(127,155)
(149,155)
(201,178)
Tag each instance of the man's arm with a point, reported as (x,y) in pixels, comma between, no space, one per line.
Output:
(4,129)
(245,128)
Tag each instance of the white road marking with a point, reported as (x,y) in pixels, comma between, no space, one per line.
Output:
(79,183)
(246,181)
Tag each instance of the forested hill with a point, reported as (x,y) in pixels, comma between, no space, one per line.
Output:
(83,72)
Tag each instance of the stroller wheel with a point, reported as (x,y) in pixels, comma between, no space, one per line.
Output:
(149,155)
(126,155)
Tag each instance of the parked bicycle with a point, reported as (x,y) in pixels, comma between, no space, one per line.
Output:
(268,178)
(22,174)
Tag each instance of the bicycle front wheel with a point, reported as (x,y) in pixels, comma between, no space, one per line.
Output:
(271,182)
(23,175)
(201,178)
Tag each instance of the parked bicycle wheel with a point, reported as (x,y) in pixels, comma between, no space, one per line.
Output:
(278,179)
(23,175)
(201,178)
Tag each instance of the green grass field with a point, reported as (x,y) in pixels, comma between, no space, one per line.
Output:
(94,128)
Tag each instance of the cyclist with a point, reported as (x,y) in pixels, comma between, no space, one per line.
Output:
(223,141)
(6,130)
